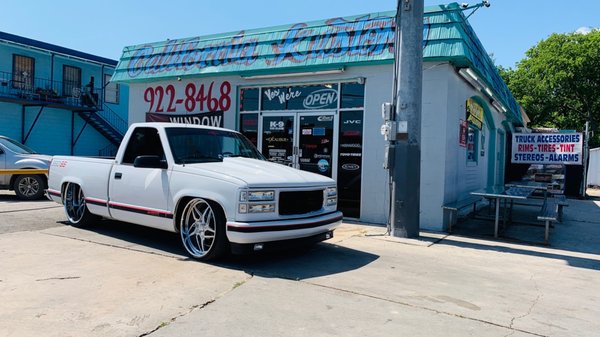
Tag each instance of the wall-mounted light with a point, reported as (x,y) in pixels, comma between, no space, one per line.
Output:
(305,73)
(470,76)
(498,106)
(489,92)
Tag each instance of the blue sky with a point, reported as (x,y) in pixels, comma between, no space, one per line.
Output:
(507,28)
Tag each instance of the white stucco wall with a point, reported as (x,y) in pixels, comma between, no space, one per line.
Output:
(459,177)
(436,139)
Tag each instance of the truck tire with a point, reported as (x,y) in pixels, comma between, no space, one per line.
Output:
(202,230)
(29,186)
(76,209)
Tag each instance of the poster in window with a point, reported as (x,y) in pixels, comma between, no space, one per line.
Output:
(471,144)
(462,136)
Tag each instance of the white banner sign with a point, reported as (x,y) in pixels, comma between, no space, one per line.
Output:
(547,148)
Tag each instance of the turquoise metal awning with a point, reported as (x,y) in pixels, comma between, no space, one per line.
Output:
(319,45)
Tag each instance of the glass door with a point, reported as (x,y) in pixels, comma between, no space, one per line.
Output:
(315,142)
(278,139)
(302,140)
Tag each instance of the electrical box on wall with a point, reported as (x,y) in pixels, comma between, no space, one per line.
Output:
(387,111)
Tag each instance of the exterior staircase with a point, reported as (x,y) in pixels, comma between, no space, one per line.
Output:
(103,119)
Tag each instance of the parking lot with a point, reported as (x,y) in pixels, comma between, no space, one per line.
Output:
(116,279)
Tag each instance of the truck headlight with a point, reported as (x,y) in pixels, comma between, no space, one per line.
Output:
(331,191)
(256,208)
(330,197)
(257,195)
(260,201)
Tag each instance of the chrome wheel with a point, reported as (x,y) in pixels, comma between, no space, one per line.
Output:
(74,202)
(198,228)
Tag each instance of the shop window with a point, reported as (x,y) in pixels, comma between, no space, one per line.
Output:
(111,90)
(472,144)
(350,149)
(23,72)
(249,127)
(307,97)
(249,99)
(71,81)
(353,95)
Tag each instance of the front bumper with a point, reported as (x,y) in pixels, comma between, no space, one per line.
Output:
(273,246)
(279,230)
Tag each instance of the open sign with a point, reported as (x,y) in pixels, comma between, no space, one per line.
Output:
(321,99)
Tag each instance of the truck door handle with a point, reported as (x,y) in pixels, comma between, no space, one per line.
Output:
(118,175)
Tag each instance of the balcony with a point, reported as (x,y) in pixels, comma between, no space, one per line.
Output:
(45,92)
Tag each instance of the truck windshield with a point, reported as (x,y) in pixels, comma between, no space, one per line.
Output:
(15,146)
(195,145)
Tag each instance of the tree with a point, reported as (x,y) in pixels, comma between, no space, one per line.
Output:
(558,82)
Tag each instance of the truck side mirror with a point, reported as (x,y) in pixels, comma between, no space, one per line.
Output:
(150,162)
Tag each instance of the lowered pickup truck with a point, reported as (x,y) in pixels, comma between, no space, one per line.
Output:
(211,185)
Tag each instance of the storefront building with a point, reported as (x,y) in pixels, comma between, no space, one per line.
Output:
(309,95)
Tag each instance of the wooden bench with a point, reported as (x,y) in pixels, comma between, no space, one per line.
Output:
(548,214)
(561,200)
(455,206)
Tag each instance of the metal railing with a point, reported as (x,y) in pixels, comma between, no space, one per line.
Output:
(46,91)
(113,119)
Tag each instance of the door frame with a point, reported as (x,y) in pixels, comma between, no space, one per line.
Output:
(334,140)
(296,137)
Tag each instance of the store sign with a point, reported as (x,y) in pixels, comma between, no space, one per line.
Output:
(320,99)
(209,118)
(340,40)
(309,97)
(333,42)
(190,102)
(547,148)
(474,113)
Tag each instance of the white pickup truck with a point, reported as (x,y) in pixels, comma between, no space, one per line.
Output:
(209,184)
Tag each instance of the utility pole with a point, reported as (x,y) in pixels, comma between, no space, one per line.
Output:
(586,154)
(406,163)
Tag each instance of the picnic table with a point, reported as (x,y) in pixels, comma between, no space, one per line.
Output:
(499,194)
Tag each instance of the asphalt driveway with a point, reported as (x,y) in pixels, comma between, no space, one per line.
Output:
(116,279)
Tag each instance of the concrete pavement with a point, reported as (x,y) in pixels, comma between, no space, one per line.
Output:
(115,279)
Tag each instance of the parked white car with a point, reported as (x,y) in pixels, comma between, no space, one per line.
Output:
(16,156)
(209,184)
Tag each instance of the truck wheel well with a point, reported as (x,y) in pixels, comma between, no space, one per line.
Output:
(184,201)
(63,187)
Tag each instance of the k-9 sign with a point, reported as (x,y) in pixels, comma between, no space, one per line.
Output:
(547,148)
